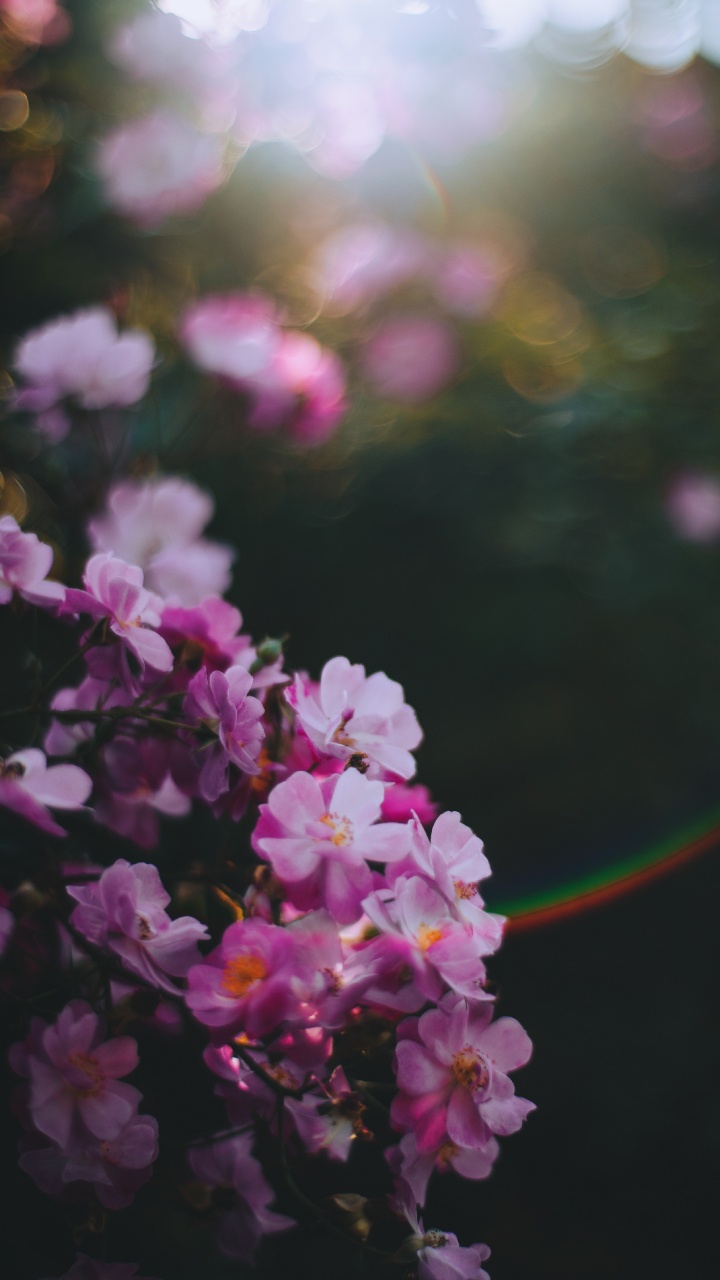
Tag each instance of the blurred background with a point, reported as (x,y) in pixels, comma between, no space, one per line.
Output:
(503,218)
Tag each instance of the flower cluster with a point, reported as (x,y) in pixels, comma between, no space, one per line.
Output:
(356,912)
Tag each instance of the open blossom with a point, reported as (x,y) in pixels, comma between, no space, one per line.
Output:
(411,358)
(25,562)
(303,387)
(222,703)
(352,713)
(115,1168)
(114,590)
(135,785)
(438,948)
(90,695)
(157,524)
(452,859)
(233,335)
(439,1254)
(320,836)
(28,785)
(75,1077)
(158,165)
(85,1268)
(415,1166)
(230,1164)
(253,981)
(83,355)
(125,911)
(452,1068)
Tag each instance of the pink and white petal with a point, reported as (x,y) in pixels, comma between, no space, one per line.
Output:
(507,1044)
(465,1125)
(419,1071)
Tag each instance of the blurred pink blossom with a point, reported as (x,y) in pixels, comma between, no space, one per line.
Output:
(693,506)
(28,786)
(158,165)
(25,562)
(157,524)
(114,590)
(229,1163)
(83,355)
(411,357)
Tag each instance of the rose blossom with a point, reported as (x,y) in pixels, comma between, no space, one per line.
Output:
(114,590)
(158,165)
(253,981)
(233,335)
(222,703)
(25,562)
(125,911)
(415,1166)
(439,1254)
(157,524)
(319,837)
(115,1168)
(28,785)
(352,713)
(452,1066)
(75,1092)
(135,784)
(229,1164)
(83,355)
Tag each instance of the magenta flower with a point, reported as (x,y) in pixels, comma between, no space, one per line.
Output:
(452,1069)
(136,784)
(439,1255)
(25,562)
(28,785)
(221,703)
(229,1164)
(85,1268)
(352,713)
(115,1168)
(75,1092)
(157,165)
(411,358)
(91,695)
(83,355)
(401,801)
(453,860)
(233,335)
(320,836)
(157,525)
(304,386)
(438,948)
(253,981)
(415,1166)
(114,590)
(125,911)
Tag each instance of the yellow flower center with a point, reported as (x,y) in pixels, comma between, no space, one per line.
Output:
(470,1069)
(240,973)
(427,936)
(341,829)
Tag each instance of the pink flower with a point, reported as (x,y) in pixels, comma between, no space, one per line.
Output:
(304,386)
(253,981)
(233,335)
(453,860)
(319,837)
(75,1094)
(27,786)
(207,635)
(91,695)
(452,1069)
(158,165)
(82,355)
(115,1168)
(415,1166)
(125,911)
(85,1268)
(114,590)
(229,1163)
(221,703)
(25,562)
(439,1255)
(157,524)
(357,714)
(439,948)
(411,358)
(400,802)
(136,784)
(361,263)
(693,506)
